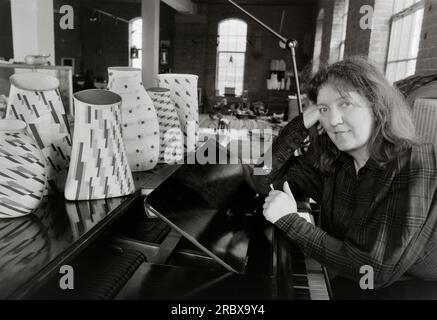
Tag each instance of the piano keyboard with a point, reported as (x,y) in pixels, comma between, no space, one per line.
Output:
(308,277)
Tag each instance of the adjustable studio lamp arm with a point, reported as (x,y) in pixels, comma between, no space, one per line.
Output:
(289,44)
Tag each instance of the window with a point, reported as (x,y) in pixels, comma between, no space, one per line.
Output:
(338,33)
(231,55)
(318,41)
(135,42)
(344,29)
(406,24)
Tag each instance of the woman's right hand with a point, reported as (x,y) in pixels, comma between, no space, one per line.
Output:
(311,116)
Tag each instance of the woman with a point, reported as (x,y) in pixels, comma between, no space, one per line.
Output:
(375,184)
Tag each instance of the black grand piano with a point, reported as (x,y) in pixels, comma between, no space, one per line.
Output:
(219,246)
(199,235)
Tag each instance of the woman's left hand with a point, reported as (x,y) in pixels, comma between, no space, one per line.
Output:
(279,204)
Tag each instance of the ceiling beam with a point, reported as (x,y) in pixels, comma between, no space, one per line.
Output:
(182,6)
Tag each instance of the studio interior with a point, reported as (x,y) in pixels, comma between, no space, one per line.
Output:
(127,128)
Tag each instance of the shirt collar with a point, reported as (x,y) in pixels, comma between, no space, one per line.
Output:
(347,162)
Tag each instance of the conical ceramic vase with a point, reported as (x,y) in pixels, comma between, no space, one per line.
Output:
(22,170)
(171,136)
(183,92)
(99,168)
(140,127)
(35,98)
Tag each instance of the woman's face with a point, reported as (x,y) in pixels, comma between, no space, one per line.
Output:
(348,120)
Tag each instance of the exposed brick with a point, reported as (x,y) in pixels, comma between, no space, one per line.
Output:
(261,46)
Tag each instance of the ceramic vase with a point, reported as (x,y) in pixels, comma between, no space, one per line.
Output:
(140,127)
(171,136)
(99,167)
(35,98)
(183,92)
(22,170)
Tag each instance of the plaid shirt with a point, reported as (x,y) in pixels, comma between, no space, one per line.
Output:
(385,217)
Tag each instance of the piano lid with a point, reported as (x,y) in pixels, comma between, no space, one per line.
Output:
(212,206)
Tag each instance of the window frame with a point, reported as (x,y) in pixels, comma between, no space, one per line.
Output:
(412,9)
(344,20)
(140,50)
(217,81)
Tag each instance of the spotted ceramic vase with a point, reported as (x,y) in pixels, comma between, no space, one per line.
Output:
(99,168)
(22,170)
(171,136)
(183,92)
(35,98)
(140,127)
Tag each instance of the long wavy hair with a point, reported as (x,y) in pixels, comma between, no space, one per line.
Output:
(394,130)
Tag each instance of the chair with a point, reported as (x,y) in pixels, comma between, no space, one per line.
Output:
(425,119)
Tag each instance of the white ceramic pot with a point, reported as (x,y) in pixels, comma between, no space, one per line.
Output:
(22,170)
(140,127)
(35,98)
(183,92)
(99,168)
(171,136)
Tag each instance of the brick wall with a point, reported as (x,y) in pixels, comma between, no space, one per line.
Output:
(99,45)
(380,36)
(336,30)
(196,44)
(357,39)
(106,43)
(6,50)
(427,56)
(328,7)
(67,42)
(372,42)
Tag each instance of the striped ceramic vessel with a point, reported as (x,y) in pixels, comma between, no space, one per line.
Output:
(22,170)
(99,167)
(140,128)
(171,137)
(183,92)
(35,98)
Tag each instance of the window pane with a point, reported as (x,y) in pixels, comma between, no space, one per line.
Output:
(404,42)
(400,5)
(230,71)
(230,55)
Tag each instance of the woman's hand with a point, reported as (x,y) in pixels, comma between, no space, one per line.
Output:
(311,116)
(279,204)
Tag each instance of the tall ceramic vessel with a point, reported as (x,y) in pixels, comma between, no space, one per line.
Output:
(140,127)
(99,168)
(35,98)
(22,170)
(183,92)
(171,136)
